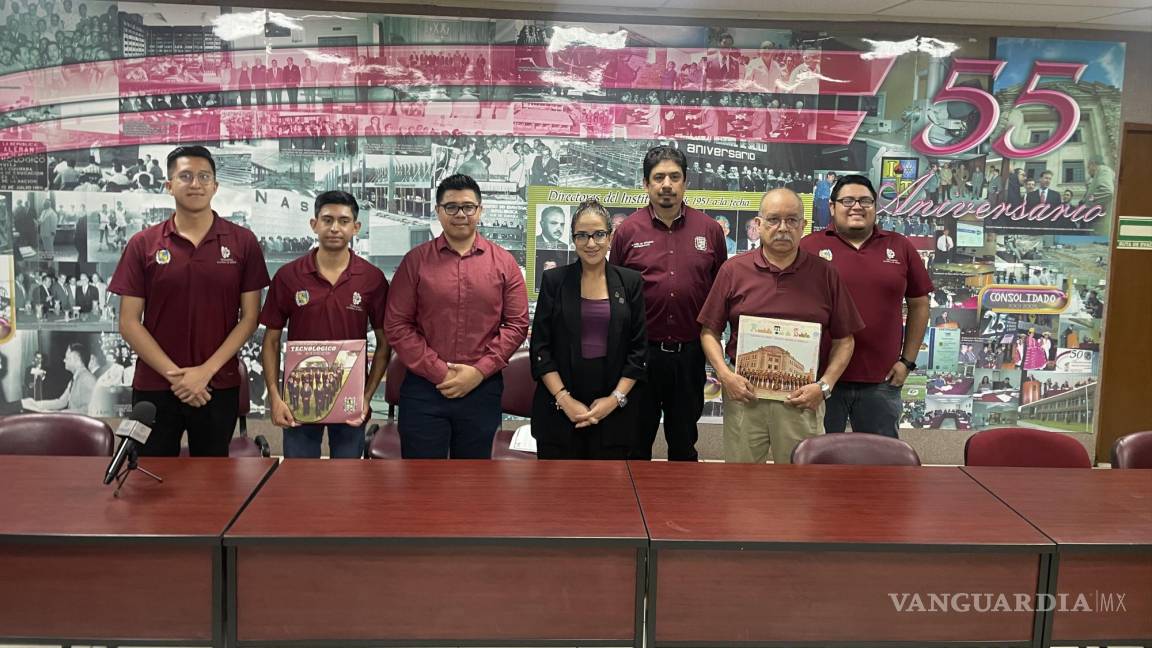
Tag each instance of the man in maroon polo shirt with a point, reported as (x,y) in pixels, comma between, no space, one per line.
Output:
(195,281)
(457,310)
(332,294)
(882,270)
(678,250)
(779,281)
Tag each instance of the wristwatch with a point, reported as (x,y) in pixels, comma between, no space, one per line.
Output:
(621,397)
(907,363)
(824,389)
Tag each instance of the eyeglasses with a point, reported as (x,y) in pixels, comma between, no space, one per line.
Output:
(598,236)
(850,202)
(187,177)
(452,209)
(790,222)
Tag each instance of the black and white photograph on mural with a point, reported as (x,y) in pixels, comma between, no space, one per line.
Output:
(68,371)
(65,295)
(46,225)
(120,170)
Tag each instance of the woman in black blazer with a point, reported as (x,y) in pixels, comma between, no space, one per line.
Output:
(589,347)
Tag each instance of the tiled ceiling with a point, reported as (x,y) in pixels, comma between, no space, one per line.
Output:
(1084,14)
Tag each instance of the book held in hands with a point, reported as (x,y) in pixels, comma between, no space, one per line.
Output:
(777,356)
(324,381)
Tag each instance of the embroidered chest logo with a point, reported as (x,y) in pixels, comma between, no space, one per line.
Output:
(225,255)
(701,243)
(642,244)
(826,254)
(891,257)
(302,297)
(163,257)
(356,301)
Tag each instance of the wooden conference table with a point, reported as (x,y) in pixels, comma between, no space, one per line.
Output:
(477,552)
(79,566)
(789,555)
(1101,521)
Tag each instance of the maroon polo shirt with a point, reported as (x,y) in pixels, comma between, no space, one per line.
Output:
(314,309)
(885,271)
(806,291)
(443,307)
(191,294)
(679,264)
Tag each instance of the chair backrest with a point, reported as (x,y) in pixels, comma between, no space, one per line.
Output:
(1133,451)
(245,391)
(393,378)
(55,434)
(855,448)
(1024,448)
(519,385)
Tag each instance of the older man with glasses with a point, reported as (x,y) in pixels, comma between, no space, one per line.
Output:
(883,271)
(778,281)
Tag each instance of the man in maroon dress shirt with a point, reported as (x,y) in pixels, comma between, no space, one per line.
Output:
(189,299)
(678,250)
(457,310)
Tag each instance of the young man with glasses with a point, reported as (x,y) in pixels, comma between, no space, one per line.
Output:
(457,310)
(189,299)
(678,250)
(779,281)
(882,271)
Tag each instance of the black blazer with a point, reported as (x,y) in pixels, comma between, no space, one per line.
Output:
(556,328)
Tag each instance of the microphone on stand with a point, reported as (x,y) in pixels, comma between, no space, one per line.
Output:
(134,431)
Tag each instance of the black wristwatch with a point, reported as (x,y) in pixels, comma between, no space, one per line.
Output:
(907,363)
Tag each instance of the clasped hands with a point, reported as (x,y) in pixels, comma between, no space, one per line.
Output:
(586,415)
(190,384)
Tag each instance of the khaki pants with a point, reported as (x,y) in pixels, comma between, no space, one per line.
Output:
(752,430)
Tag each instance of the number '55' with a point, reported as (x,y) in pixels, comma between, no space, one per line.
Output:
(1067,110)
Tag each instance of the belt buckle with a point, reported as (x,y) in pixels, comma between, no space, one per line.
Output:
(671,347)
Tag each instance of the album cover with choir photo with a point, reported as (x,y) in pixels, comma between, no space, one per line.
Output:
(777,356)
(324,381)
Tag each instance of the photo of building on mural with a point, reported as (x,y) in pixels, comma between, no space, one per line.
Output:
(1007,205)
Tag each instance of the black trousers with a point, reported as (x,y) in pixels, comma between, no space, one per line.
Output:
(674,389)
(210,427)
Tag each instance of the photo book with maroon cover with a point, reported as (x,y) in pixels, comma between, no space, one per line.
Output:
(324,381)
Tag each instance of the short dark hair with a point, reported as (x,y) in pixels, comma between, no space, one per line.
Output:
(82,351)
(337,198)
(853,179)
(658,154)
(457,182)
(594,206)
(190,151)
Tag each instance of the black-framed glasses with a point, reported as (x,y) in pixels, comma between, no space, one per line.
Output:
(850,202)
(452,209)
(582,237)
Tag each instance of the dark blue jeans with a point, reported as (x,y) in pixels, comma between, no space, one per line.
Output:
(344,441)
(871,407)
(434,427)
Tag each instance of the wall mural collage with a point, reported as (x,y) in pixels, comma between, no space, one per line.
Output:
(995,157)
